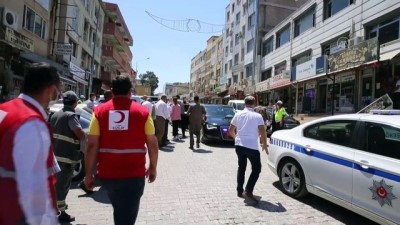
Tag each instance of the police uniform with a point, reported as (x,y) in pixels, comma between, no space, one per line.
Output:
(66,146)
(279,115)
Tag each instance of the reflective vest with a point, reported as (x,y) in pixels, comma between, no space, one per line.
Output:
(18,111)
(122,151)
(66,143)
(279,114)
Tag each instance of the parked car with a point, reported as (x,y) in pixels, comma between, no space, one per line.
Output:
(85,115)
(352,160)
(288,122)
(216,123)
(136,98)
(238,105)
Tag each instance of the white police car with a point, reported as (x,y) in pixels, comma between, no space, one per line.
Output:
(352,160)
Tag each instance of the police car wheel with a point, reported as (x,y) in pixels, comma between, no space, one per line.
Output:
(291,178)
(79,171)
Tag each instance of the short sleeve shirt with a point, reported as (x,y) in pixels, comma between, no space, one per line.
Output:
(246,123)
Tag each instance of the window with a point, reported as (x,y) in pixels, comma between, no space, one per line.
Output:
(251,2)
(242,54)
(226,68)
(283,37)
(237,39)
(251,21)
(336,132)
(382,140)
(230,64)
(279,68)
(301,58)
(236,59)
(237,18)
(304,22)
(227,33)
(235,79)
(267,46)
(237,2)
(226,51)
(249,70)
(250,45)
(331,7)
(34,23)
(386,31)
(266,74)
(233,7)
(227,16)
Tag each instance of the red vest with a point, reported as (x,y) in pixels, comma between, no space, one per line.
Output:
(18,111)
(122,151)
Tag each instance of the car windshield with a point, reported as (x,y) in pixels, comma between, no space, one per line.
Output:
(239,106)
(218,111)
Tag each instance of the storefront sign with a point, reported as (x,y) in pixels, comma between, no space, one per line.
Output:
(63,49)
(249,90)
(305,70)
(321,64)
(77,71)
(279,80)
(18,40)
(311,85)
(262,86)
(366,51)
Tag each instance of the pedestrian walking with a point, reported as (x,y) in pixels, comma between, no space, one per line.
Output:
(168,121)
(26,188)
(280,114)
(148,103)
(107,95)
(184,118)
(121,158)
(67,134)
(196,115)
(162,114)
(246,127)
(176,118)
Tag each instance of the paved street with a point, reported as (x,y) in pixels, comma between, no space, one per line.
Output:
(198,187)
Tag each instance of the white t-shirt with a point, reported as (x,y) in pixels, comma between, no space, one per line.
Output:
(148,105)
(246,123)
(398,85)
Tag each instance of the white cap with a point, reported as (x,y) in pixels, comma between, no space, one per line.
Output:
(279,102)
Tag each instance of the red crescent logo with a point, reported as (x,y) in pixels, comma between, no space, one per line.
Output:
(381,192)
(122,117)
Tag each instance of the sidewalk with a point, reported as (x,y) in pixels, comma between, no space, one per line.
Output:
(304,118)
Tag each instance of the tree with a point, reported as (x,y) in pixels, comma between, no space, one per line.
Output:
(149,78)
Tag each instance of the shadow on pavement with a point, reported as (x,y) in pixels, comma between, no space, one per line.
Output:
(167,148)
(339,213)
(200,150)
(220,144)
(264,205)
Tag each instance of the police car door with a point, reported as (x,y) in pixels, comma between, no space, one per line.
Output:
(376,183)
(329,158)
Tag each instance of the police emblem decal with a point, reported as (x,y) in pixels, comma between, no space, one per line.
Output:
(382,193)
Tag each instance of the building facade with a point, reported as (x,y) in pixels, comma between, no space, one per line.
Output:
(174,89)
(197,73)
(332,56)
(116,54)
(25,37)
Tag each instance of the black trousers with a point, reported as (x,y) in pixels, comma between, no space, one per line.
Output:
(125,195)
(165,136)
(243,154)
(175,127)
(184,123)
(64,178)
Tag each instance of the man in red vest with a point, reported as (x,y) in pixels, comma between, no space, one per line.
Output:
(26,155)
(119,132)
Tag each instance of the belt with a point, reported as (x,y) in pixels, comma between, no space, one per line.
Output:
(65,160)
(65,138)
(122,151)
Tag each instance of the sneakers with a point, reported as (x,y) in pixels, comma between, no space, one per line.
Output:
(83,187)
(65,217)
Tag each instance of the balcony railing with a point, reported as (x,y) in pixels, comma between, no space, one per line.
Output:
(110,53)
(111,31)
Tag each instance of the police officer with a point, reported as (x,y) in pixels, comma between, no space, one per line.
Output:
(119,132)
(67,133)
(280,114)
(27,192)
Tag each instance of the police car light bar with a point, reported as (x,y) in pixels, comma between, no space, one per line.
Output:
(385,112)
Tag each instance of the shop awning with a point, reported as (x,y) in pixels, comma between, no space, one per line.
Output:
(227,96)
(37,58)
(388,55)
(310,78)
(68,81)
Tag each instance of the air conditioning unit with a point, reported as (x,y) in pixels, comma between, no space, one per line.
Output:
(10,19)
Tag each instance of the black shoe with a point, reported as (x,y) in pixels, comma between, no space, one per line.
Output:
(251,198)
(197,145)
(191,147)
(83,187)
(240,194)
(65,217)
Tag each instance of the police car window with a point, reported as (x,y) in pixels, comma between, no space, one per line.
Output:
(335,132)
(382,140)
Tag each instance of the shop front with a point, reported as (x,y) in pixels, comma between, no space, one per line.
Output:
(279,86)
(262,92)
(79,75)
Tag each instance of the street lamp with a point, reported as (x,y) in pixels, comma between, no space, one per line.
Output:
(136,69)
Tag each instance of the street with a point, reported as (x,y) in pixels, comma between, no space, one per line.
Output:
(199,187)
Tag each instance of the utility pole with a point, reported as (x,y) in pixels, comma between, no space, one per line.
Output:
(94,50)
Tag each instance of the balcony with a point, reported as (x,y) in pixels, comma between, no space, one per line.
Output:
(111,32)
(111,56)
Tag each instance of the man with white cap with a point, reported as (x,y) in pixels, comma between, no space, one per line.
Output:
(280,114)
(67,134)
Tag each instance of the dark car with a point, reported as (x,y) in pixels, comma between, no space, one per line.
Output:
(216,124)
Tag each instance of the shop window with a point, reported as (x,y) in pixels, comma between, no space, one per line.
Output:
(266,74)
(331,7)
(304,22)
(34,22)
(267,46)
(386,31)
(283,36)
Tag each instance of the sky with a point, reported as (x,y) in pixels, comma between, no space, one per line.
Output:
(170,51)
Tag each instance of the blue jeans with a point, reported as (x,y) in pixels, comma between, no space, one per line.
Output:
(125,195)
(243,154)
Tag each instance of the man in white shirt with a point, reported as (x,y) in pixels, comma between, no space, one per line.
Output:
(27,195)
(162,114)
(246,127)
(148,103)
